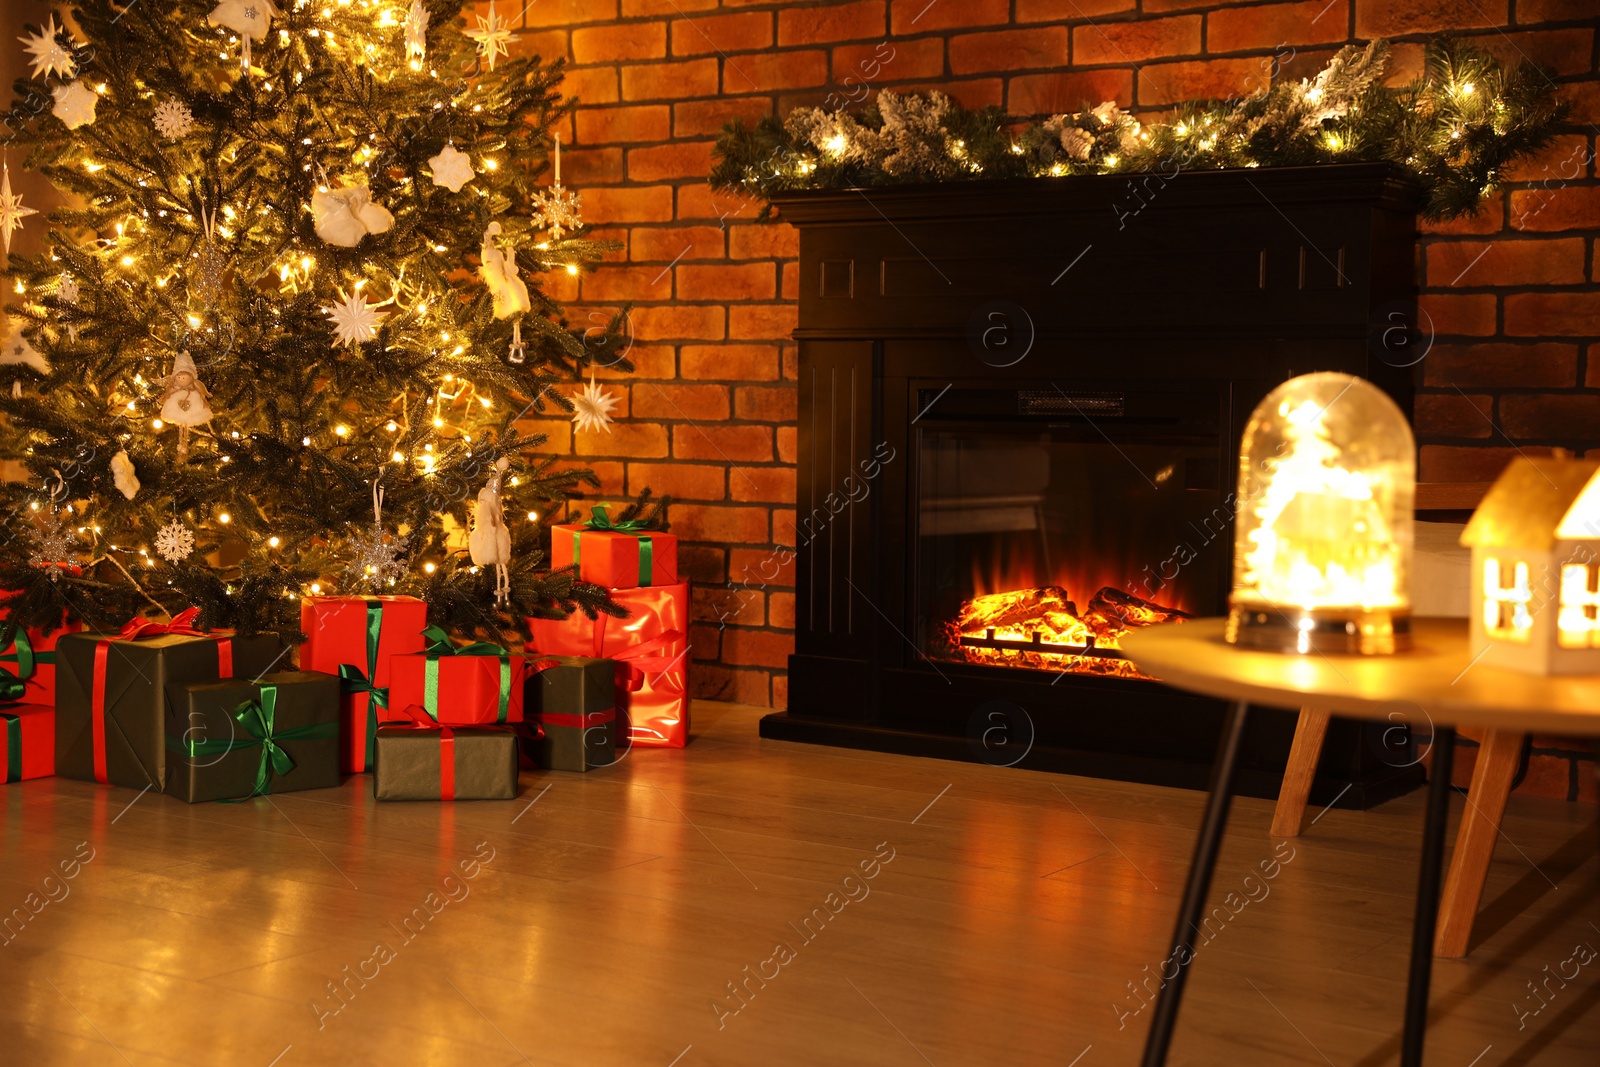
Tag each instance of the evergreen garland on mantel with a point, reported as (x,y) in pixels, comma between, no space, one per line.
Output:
(1455,128)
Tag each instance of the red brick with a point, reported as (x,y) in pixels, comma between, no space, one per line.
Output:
(896,60)
(1490,217)
(1565,159)
(1469,316)
(1406,64)
(1470,463)
(728,443)
(1031,49)
(790,289)
(680,323)
(1476,263)
(763,240)
(745,281)
(1557,314)
(596,86)
(604,44)
(1591,374)
(1454,415)
(1055,94)
(545,45)
(729,363)
(699,117)
(780,610)
(1496,366)
(556,434)
(783,522)
(622,125)
(1563,51)
(705,645)
(681,159)
(1392,18)
(592,166)
(638,8)
(1171,83)
(767,485)
(610,472)
(627,283)
(1074,10)
(664,245)
(835,22)
(680,401)
(727,607)
(1553,10)
(759,322)
(1311,22)
(924,16)
(764,72)
(643,440)
(1585,99)
(1534,417)
(721,33)
(669,81)
(720,524)
(780,693)
(791,364)
(720,683)
(702,564)
(973,93)
(761,404)
(764,648)
(1133,42)
(788,444)
(703,202)
(649,361)
(629,205)
(1561,208)
(760,568)
(1588,781)
(682,481)
(1547,776)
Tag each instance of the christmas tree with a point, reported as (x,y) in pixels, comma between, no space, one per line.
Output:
(282,341)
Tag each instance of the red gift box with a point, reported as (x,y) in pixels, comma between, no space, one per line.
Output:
(613,555)
(651,650)
(476,685)
(355,637)
(27,742)
(31,660)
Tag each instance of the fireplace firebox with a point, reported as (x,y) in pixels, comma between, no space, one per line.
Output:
(1020,407)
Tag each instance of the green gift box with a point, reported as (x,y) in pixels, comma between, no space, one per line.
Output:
(574,701)
(111,693)
(236,739)
(422,760)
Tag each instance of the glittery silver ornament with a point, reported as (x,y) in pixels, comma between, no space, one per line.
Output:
(174,541)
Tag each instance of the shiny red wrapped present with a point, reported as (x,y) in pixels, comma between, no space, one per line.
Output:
(615,554)
(27,742)
(355,637)
(651,650)
(474,685)
(28,664)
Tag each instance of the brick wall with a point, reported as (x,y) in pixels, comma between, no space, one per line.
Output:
(709,415)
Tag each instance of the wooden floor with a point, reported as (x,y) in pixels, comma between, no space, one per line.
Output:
(1018,912)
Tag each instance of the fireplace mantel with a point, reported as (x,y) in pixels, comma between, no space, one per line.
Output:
(1172,303)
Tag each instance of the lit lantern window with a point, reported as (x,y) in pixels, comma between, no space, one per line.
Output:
(1323,520)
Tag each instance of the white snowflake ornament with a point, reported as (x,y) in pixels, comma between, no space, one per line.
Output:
(452,168)
(11,210)
(174,542)
(75,103)
(558,211)
(173,119)
(592,407)
(52,543)
(417,32)
(354,320)
(493,35)
(48,54)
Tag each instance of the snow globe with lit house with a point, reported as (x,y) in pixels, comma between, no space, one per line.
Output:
(1323,521)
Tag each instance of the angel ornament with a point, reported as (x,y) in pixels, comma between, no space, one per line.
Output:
(499,272)
(489,544)
(185,401)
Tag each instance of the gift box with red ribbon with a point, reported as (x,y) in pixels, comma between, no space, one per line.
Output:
(420,759)
(651,651)
(27,742)
(355,637)
(615,554)
(28,665)
(111,702)
(475,685)
(573,700)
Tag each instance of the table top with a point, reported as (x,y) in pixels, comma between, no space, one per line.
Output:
(1440,676)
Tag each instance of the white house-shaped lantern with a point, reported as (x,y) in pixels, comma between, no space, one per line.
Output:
(1535,544)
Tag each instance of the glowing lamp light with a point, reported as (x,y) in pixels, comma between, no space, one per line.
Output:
(1323,532)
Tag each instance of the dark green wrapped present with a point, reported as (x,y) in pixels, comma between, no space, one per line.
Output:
(422,760)
(574,701)
(237,739)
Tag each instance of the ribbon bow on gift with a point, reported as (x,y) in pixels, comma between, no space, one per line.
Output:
(182,623)
(258,719)
(601,522)
(14,686)
(439,644)
(421,719)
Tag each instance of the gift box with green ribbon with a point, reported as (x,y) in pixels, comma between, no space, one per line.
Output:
(476,684)
(27,742)
(238,739)
(28,664)
(421,759)
(354,637)
(573,699)
(111,692)
(617,555)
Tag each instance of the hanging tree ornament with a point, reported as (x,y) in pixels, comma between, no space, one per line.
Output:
(184,403)
(52,539)
(173,119)
(376,553)
(592,407)
(345,215)
(67,293)
(75,104)
(49,56)
(557,210)
(19,352)
(452,168)
(354,320)
(489,543)
(174,541)
(493,35)
(205,279)
(417,32)
(250,19)
(500,274)
(123,475)
(11,210)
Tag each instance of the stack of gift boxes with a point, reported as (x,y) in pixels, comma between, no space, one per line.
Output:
(215,716)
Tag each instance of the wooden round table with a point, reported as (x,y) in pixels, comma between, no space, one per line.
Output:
(1440,678)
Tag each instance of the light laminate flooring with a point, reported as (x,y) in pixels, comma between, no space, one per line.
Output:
(654,914)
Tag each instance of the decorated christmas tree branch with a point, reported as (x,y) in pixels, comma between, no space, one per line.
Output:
(1457,128)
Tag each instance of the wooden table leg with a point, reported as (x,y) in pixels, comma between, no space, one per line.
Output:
(1498,757)
(1288,816)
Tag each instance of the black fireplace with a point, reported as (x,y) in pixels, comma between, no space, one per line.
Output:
(1020,407)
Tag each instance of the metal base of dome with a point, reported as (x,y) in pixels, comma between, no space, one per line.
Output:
(1328,631)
